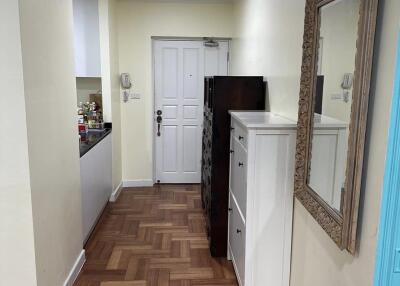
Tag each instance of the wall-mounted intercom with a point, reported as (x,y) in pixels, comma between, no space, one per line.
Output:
(126,81)
(347,83)
(126,84)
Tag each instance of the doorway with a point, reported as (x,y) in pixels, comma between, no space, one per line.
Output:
(179,70)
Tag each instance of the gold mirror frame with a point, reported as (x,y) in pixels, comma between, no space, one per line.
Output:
(342,228)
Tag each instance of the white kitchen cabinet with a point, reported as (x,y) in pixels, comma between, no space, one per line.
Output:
(96,183)
(261,197)
(87,38)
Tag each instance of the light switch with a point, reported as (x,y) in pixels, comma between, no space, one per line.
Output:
(336,96)
(125,95)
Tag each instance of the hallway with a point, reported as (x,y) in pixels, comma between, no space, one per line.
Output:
(153,236)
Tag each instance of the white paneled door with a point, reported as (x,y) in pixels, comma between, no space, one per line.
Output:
(179,70)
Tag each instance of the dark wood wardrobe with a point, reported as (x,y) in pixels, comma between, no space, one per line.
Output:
(221,94)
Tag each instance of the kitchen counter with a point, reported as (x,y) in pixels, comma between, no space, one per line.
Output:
(91,139)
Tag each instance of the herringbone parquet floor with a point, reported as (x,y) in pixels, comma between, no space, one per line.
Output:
(153,236)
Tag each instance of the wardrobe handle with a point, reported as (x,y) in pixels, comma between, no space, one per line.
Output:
(230,209)
(241,137)
(231,151)
(240,164)
(232,128)
(238,231)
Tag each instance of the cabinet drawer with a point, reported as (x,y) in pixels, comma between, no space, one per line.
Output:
(238,176)
(240,134)
(237,241)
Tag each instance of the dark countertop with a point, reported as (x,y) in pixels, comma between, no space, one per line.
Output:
(90,139)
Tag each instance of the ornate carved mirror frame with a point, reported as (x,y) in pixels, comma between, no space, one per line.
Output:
(341,227)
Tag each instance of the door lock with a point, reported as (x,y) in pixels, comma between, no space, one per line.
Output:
(159,120)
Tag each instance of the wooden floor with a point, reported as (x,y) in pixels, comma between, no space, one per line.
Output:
(153,236)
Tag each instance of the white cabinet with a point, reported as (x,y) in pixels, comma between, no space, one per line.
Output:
(96,183)
(261,197)
(328,158)
(87,38)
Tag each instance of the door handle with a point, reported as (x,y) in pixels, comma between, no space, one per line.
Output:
(159,120)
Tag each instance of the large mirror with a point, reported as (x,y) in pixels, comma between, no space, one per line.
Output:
(336,70)
(333,97)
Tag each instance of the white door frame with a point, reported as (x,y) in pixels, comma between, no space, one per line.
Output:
(154,124)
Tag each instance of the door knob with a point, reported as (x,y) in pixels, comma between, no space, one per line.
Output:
(159,120)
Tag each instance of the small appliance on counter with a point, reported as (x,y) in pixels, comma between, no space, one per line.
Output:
(90,116)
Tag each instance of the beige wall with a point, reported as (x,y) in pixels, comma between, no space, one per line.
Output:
(110,80)
(16,235)
(50,95)
(270,33)
(137,22)
(316,260)
(267,41)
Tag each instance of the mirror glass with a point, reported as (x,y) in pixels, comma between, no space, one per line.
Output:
(333,98)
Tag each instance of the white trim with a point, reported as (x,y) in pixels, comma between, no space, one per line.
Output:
(115,194)
(73,274)
(137,183)
(153,119)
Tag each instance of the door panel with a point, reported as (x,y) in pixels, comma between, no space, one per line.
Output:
(170,112)
(170,139)
(170,72)
(190,112)
(190,143)
(191,73)
(179,70)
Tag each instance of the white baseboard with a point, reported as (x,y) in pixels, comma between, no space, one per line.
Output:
(115,194)
(137,183)
(73,274)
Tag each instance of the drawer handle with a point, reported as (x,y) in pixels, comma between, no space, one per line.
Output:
(238,231)
(240,164)
(231,151)
(241,137)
